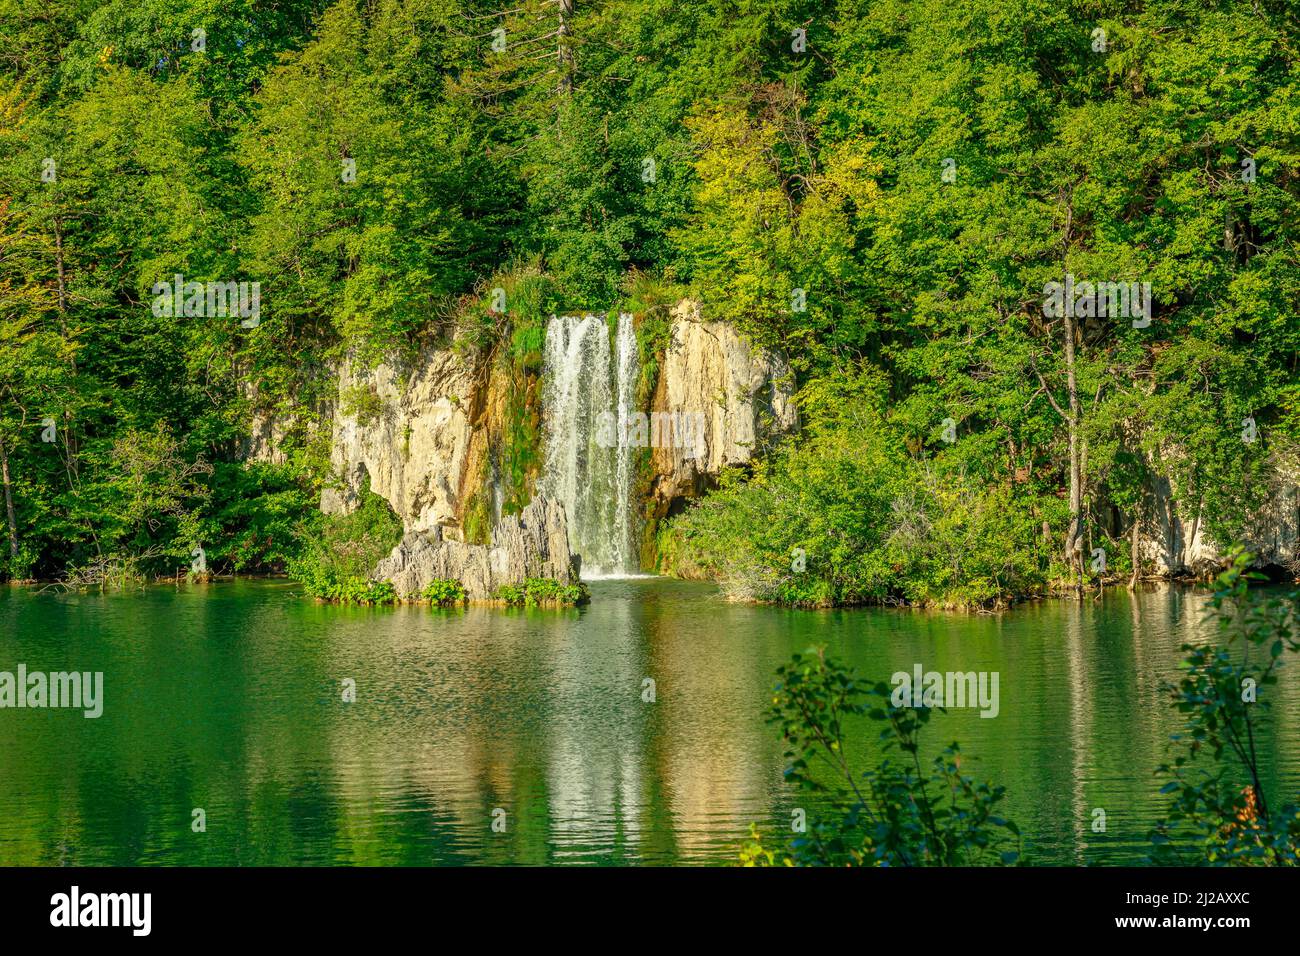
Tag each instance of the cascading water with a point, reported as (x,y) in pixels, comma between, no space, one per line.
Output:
(589,465)
(626,351)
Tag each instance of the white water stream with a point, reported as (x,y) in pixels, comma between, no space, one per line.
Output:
(583,378)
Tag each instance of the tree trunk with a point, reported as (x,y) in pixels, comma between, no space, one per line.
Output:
(9,502)
(61,270)
(1135,550)
(60,263)
(1074,537)
(565,49)
(1190,539)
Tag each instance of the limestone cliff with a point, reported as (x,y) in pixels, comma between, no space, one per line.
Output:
(407,429)
(1176,540)
(741,394)
(427,435)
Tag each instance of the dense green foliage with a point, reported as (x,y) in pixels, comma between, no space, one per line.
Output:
(337,553)
(848,517)
(882,197)
(1112,165)
(444,592)
(543,592)
(900,812)
(1220,812)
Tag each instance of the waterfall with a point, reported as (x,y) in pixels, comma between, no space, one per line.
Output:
(589,466)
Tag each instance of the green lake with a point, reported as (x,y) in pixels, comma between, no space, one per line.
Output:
(228,697)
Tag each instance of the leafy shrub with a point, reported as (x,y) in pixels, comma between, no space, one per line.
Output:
(544,592)
(955,541)
(521,328)
(898,813)
(363,591)
(1221,813)
(338,552)
(847,516)
(347,590)
(252,522)
(809,528)
(512,594)
(18,567)
(444,591)
(362,401)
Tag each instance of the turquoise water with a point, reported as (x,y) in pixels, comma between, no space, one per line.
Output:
(228,698)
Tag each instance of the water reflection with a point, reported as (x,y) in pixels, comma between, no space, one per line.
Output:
(228,698)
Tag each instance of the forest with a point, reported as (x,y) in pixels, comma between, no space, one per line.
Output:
(1021,255)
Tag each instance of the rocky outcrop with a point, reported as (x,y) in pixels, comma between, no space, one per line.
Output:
(272,431)
(533,544)
(1272,531)
(266,437)
(728,395)
(1177,541)
(422,435)
(408,431)
(449,437)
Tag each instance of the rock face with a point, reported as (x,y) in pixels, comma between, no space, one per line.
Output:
(735,395)
(533,544)
(266,434)
(409,431)
(424,445)
(428,436)
(1176,540)
(271,430)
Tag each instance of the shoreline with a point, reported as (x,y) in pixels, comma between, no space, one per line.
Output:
(1093,592)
